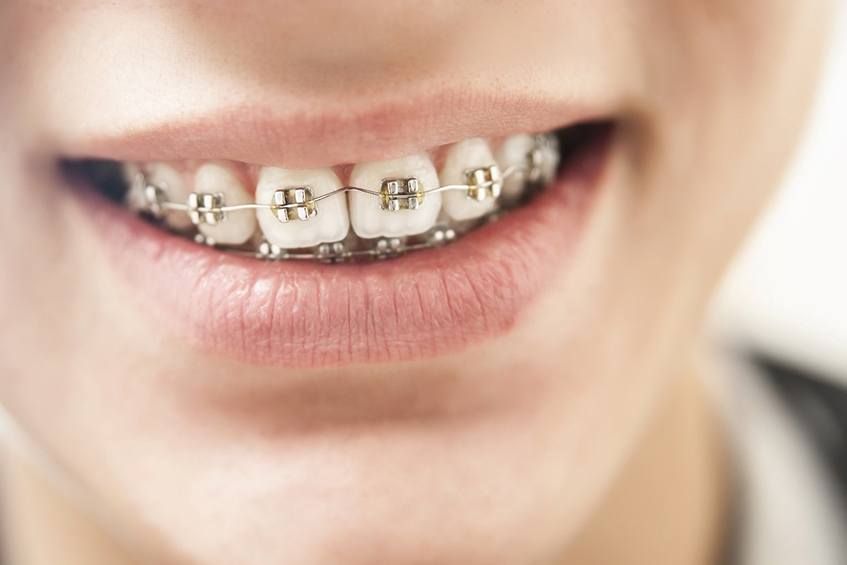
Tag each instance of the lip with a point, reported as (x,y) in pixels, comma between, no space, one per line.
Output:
(308,315)
(359,130)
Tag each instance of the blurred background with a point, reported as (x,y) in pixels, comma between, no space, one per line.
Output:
(786,295)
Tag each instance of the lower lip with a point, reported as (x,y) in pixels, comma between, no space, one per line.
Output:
(309,315)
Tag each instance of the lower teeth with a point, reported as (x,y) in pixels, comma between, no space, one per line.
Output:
(296,204)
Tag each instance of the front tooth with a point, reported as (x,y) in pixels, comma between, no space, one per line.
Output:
(461,157)
(331,222)
(514,152)
(237,226)
(370,220)
(173,184)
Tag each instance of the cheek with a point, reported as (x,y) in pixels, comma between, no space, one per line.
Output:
(727,97)
(37,274)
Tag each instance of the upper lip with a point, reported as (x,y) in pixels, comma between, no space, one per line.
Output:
(296,136)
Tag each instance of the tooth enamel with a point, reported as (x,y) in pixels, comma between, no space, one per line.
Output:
(550,154)
(331,222)
(366,215)
(175,188)
(462,157)
(135,193)
(237,227)
(513,153)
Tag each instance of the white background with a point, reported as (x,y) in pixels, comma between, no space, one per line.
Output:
(787,293)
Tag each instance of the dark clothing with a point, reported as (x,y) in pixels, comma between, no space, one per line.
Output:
(820,407)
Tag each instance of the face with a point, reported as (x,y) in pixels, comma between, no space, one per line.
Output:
(222,409)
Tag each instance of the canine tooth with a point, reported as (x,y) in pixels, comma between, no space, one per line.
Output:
(237,226)
(513,153)
(462,157)
(175,188)
(370,220)
(330,223)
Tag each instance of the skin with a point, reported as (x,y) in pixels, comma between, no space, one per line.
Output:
(558,437)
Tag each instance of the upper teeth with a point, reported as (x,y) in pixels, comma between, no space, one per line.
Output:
(514,152)
(216,179)
(462,161)
(331,224)
(401,218)
(306,208)
(173,186)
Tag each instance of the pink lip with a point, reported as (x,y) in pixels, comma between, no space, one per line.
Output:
(353,132)
(310,315)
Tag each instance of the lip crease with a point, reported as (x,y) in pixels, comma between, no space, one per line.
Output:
(309,315)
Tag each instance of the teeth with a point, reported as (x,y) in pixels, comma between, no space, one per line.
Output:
(237,227)
(135,195)
(384,201)
(549,150)
(175,188)
(366,215)
(331,222)
(514,152)
(462,157)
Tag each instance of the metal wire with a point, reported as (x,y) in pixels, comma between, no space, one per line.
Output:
(183,207)
(157,203)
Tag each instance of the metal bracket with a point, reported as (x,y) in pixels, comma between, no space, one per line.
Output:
(484,183)
(401,194)
(205,208)
(293,203)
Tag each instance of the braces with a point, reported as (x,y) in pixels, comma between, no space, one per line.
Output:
(297,203)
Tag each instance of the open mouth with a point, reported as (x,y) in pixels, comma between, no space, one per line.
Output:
(285,271)
(345,213)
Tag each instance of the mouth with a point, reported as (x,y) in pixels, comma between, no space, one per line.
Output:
(390,260)
(385,210)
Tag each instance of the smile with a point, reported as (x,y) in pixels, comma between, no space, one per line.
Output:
(285,271)
(389,209)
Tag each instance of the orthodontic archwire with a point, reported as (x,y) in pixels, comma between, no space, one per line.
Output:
(297,203)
